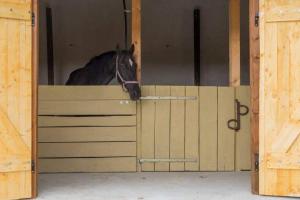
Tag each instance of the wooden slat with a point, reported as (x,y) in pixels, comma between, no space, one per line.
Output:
(283,161)
(112,107)
(162,128)
(177,132)
(136,35)
(282,11)
(208,122)
(254,82)
(234,43)
(87,134)
(139,135)
(77,93)
(86,121)
(69,165)
(90,150)
(15,10)
(192,129)
(243,137)
(148,128)
(226,137)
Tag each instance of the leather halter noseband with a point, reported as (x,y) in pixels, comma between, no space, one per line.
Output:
(118,75)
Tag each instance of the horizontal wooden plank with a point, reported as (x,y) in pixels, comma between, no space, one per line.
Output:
(87,134)
(90,165)
(282,11)
(71,93)
(15,10)
(283,161)
(56,121)
(101,107)
(87,150)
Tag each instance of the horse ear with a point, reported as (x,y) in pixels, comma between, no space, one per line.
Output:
(131,50)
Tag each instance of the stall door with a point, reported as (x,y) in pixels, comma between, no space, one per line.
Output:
(15,99)
(280,98)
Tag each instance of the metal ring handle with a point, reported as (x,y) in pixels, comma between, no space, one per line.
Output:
(235,126)
(246,110)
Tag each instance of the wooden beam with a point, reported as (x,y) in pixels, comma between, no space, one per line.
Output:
(136,35)
(254,82)
(234,43)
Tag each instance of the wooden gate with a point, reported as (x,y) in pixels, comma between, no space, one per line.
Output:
(192,135)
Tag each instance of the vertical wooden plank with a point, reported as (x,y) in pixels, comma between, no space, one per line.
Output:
(162,128)
(148,128)
(234,43)
(243,137)
(192,129)
(139,134)
(208,122)
(254,83)
(177,128)
(226,136)
(136,36)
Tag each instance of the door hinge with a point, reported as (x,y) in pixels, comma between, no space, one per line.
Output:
(33,19)
(256,164)
(33,166)
(257,19)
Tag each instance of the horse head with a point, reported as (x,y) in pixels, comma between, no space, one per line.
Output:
(126,68)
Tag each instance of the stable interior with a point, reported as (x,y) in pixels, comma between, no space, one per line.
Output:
(98,129)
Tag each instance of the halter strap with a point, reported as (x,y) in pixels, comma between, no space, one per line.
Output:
(118,75)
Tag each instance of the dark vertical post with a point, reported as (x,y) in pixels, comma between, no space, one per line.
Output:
(50,55)
(197,46)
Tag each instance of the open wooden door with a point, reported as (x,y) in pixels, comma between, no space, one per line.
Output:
(16,98)
(280,98)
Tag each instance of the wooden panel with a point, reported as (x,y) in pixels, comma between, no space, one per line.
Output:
(136,35)
(208,122)
(20,10)
(88,165)
(283,161)
(53,121)
(226,137)
(15,101)
(148,128)
(77,93)
(87,134)
(192,130)
(177,132)
(282,11)
(90,150)
(234,43)
(112,107)
(243,137)
(254,82)
(162,128)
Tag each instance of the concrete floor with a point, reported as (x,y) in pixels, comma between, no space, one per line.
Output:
(147,186)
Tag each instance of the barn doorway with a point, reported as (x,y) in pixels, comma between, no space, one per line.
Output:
(179,127)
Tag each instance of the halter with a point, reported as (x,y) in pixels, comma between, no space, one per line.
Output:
(118,75)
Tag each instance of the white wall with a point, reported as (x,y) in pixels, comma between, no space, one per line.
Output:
(83,29)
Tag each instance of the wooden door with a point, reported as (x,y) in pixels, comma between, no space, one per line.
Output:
(280,98)
(15,99)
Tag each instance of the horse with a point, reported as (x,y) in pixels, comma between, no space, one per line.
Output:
(102,69)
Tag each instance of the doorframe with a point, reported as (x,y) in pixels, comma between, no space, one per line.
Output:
(35,64)
(254,85)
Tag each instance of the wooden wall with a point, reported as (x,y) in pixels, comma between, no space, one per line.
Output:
(97,129)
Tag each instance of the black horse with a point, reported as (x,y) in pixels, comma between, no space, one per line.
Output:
(101,70)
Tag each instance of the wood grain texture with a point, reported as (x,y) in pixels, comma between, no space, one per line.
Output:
(177,129)
(92,165)
(234,43)
(208,110)
(15,100)
(226,136)
(254,86)
(136,36)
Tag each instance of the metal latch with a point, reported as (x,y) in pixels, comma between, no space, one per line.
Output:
(33,166)
(256,164)
(235,124)
(32,19)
